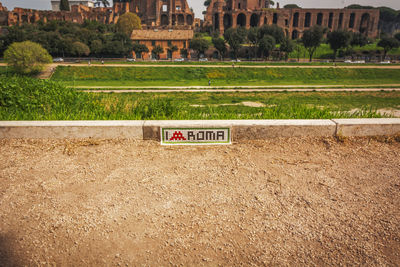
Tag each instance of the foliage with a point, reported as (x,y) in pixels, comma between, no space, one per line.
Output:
(199,45)
(80,49)
(220,45)
(338,40)
(287,46)
(397,36)
(235,37)
(64,5)
(197,76)
(128,22)
(184,53)
(31,99)
(140,49)
(27,57)
(358,39)
(157,50)
(291,6)
(272,30)
(312,39)
(57,37)
(26,98)
(388,43)
(172,49)
(267,44)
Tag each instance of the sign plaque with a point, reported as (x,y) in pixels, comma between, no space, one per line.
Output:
(195,136)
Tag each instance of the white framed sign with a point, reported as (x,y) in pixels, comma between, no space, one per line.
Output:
(196,136)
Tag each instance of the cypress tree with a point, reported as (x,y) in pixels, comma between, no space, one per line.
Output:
(64,5)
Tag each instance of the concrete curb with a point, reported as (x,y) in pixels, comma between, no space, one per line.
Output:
(241,129)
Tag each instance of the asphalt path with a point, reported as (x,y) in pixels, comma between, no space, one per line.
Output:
(225,66)
(236,66)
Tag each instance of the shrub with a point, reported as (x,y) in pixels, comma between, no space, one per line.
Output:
(27,57)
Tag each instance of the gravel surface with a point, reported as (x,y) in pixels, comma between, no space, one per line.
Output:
(276,202)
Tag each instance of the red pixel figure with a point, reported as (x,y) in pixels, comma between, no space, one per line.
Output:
(177,136)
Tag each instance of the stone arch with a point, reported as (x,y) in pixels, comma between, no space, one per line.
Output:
(24,19)
(307,21)
(352,20)
(164,20)
(254,20)
(287,33)
(181,19)
(241,20)
(330,20)
(295,34)
(189,20)
(320,18)
(216,21)
(227,21)
(173,20)
(265,20)
(365,22)
(275,18)
(296,19)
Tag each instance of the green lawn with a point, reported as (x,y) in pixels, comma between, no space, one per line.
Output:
(198,76)
(32,99)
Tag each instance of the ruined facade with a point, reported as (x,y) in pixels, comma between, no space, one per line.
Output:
(224,14)
(153,13)
(158,13)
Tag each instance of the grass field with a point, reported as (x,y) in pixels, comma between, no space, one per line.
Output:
(32,99)
(197,76)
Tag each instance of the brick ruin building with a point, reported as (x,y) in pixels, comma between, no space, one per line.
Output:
(153,13)
(224,14)
(158,13)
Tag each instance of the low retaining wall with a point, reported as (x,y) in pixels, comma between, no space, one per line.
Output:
(241,129)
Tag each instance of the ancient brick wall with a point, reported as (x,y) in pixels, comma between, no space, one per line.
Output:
(153,13)
(166,13)
(222,15)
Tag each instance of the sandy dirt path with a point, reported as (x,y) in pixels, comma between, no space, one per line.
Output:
(286,202)
(239,90)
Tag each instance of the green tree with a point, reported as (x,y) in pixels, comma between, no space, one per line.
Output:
(140,49)
(312,39)
(64,5)
(267,44)
(80,49)
(199,45)
(252,37)
(127,23)
(397,36)
(157,50)
(96,47)
(338,40)
(291,6)
(220,45)
(287,46)
(388,43)
(27,57)
(358,39)
(172,49)
(235,37)
(273,30)
(184,53)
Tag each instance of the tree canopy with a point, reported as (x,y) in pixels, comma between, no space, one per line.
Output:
(128,22)
(388,43)
(338,40)
(200,45)
(27,57)
(312,39)
(64,5)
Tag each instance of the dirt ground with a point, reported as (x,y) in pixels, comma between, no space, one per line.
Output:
(277,202)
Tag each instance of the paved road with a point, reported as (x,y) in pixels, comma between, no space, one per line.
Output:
(245,90)
(237,66)
(227,66)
